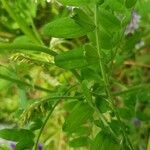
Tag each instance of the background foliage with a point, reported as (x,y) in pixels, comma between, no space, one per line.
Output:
(57,59)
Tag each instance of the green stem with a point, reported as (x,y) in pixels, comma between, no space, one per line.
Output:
(36,32)
(104,121)
(88,97)
(75,73)
(30,47)
(50,113)
(98,45)
(42,128)
(56,97)
(145,86)
(129,90)
(105,78)
(19,82)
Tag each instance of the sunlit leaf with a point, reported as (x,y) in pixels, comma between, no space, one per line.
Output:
(83,19)
(71,59)
(65,28)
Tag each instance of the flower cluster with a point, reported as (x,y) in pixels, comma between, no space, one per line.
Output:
(134,23)
(12,145)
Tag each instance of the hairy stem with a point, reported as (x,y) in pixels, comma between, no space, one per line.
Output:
(105,79)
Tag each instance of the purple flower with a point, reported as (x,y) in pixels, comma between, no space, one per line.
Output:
(12,145)
(40,147)
(136,122)
(134,23)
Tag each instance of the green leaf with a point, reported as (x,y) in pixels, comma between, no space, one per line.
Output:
(82,131)
(108,21)
(115,126)
(86,92)
(71,59)
(79,142)
(131,41)
(22,83)
(75,2)
(98,142)
(100,2)
(24,144)
(102,104)
(24,137)
(104,37)
(4,147)
(90,74)
(16,134)
(65,28)
(79,115)
(22,40)
(99,123)
(83,19)
(144,115)
(130,3)
(126,112)
(68,106)
(104,141)
(91,54)
(36,124)
(117,6)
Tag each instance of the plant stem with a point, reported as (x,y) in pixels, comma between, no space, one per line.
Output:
(36,32)
(42,128)
(105,78)
(49,115)
(19,82)
(98,45)
(22,47)
(88,98)
(144,86)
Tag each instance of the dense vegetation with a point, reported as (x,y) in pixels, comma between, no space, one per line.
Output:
(75,74)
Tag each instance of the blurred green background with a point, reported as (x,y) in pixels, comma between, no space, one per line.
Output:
(131,67)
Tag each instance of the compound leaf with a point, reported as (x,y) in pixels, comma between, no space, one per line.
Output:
(65,28)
